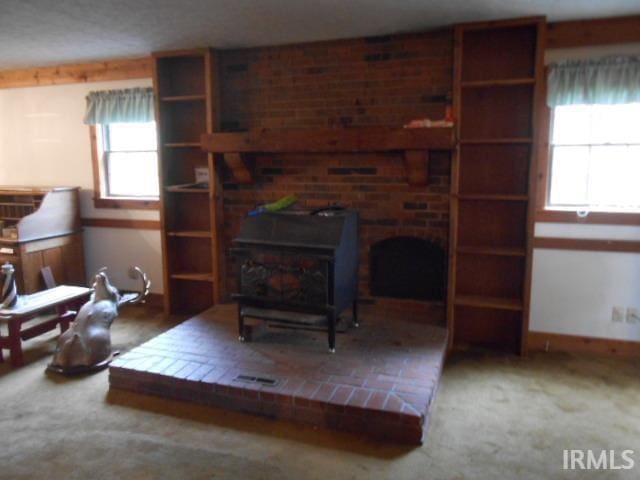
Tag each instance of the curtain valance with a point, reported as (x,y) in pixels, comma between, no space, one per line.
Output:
(609,80)
(132,105)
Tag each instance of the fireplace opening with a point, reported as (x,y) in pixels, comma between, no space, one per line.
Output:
(408,268)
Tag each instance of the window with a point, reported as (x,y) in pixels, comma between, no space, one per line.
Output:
(126,165)
(595,158)
(123,148)
(130,159)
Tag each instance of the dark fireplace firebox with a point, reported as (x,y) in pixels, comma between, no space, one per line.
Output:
(408,267)
(298,268)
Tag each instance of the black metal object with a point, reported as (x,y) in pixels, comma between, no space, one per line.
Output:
(407,267)
(298,262)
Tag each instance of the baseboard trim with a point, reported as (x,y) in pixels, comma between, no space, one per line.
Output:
(554,342)
(155,300)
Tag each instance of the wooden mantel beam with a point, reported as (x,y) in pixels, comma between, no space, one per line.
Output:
(328,140)
(415,143)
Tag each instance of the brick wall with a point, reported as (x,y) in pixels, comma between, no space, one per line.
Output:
(373,81)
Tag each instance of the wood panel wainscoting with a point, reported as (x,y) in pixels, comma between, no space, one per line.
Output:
(554,342)
(121,223)
(123,69)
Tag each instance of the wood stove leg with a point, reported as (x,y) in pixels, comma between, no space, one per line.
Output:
(332,332)
(240,324)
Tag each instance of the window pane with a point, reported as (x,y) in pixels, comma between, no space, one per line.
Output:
(133,174)
(572,125)
(615,123)
(125,137)
(601,170)
(569,176)
(613,177)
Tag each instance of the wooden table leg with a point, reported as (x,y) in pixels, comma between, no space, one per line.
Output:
(66,314)
(15,343)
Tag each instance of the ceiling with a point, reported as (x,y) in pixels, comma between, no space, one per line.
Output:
(45,32)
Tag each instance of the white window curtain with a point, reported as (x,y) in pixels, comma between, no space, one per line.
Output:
(132,105)
(605,81)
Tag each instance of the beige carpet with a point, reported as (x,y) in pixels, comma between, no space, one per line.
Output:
(496,417)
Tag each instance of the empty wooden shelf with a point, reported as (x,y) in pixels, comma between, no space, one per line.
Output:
(498,67)
(187,102)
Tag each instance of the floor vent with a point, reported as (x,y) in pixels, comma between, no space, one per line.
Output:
(269,382)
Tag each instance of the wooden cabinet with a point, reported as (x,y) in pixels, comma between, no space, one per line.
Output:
(186,107)
(40,228)
(498,68)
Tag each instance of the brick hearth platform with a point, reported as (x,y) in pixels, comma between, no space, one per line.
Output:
(381,381)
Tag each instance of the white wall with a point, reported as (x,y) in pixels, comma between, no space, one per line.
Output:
(574,292)
(44,142)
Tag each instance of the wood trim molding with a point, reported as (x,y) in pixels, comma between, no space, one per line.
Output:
(589,245)
(121,223)
(95,159)
(606,218)
(543,132)
(600,31)
(123,69)
(554,342)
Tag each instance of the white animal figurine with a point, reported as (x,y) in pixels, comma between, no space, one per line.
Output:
(86,345)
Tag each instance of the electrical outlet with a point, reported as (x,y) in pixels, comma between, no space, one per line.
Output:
(633,315)
(617,314)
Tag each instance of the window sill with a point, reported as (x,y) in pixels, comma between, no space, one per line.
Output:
(127,203)
(605,218)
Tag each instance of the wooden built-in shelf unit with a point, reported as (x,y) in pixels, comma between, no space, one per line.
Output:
(497,80)
(185,86)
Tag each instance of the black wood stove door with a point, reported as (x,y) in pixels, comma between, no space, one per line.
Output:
(294,279)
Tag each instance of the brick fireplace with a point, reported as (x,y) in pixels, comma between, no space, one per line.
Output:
(373,184)
(384,376)
(363,82)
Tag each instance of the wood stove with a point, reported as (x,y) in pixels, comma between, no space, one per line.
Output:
(298,269)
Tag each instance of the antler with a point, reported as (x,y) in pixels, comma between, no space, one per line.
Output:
(142,295)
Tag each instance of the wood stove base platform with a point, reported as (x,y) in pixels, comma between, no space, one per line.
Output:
(380,383)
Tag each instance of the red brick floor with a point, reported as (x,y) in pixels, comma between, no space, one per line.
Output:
(380,382)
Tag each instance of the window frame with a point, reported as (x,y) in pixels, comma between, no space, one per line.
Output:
(550,214)
(100,197)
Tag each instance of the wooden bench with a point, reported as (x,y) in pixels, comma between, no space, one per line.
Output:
(47,309)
